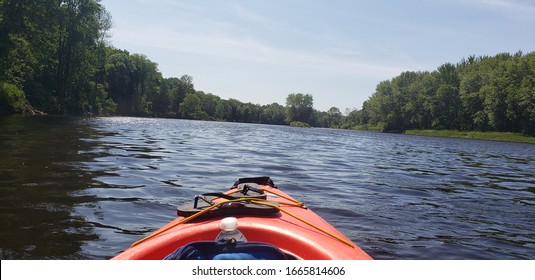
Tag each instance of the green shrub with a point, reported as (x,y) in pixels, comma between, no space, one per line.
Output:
(299,124)
(13,99)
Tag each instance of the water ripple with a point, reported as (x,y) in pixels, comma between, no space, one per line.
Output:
(397,196)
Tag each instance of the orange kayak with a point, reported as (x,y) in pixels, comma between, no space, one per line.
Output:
(265,215)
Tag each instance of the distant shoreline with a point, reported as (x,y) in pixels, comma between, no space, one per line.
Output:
(476,135)
(493,136)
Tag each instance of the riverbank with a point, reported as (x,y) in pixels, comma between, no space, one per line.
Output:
(494,136)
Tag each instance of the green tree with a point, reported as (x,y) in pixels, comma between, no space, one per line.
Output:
(119,76)
(190,108)
(209,104)
(146,81)
(81,25)
(171,94)
(299,107)
(234,115)
(134,84)
(51,50)
(249,112)
(273,113)
(479,93)
(334,117)
(223,111)
(13,100)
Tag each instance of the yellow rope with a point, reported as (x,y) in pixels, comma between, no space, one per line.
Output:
(252,200)
(297,203)
(185,220)
(306,222)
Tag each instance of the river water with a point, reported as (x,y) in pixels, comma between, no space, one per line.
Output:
(73,188)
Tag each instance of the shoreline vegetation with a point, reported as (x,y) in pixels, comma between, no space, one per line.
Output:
(476,135)
(55,58)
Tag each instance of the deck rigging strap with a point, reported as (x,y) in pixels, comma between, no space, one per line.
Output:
(265,180)
(251,200)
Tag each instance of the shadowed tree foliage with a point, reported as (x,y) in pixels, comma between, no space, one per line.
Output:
(53,51)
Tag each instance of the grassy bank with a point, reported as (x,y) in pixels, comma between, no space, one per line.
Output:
(495,136)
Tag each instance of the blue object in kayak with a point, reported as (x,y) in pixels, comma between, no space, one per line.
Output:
(211,250)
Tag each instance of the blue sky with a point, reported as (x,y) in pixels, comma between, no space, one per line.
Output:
(337,50)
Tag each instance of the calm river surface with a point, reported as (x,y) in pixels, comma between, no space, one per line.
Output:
(74,188)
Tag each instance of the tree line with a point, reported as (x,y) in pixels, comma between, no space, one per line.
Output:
(486,93)
(55,59)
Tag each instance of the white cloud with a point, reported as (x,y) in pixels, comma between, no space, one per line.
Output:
(248,50)
(518,7)
(243,12)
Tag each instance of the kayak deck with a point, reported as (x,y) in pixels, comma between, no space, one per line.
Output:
(295,230)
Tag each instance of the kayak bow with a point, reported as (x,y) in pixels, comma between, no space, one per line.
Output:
(265,214)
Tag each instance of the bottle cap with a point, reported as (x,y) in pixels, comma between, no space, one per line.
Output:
(228,224)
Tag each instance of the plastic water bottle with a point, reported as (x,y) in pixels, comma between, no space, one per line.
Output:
(229,231)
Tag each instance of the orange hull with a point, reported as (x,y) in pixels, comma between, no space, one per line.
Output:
(296,230)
